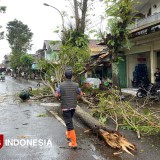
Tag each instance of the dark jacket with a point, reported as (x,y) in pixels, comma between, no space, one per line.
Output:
(25,95)
(68,94)
(157,76)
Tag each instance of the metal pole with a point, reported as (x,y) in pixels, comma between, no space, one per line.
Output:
(58,12)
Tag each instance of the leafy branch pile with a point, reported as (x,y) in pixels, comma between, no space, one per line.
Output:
(126,115)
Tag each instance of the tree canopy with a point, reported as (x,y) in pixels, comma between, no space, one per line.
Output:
(19,36)
(120,15)
(2,10)
(26,61)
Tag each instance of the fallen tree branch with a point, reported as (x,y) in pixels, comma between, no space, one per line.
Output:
(113,138)
(116,140)
(86,101)
(41,97)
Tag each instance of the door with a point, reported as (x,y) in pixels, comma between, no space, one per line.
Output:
(122,72)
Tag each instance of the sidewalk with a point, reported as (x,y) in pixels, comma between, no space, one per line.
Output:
(131,91)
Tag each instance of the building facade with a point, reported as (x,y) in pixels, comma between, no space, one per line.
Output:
(144,56)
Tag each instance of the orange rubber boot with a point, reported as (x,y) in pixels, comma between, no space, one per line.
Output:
(73,143)
(67,136)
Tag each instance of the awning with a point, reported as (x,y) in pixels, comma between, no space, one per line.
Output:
(145,26)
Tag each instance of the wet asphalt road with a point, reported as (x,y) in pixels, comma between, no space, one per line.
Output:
(22,120)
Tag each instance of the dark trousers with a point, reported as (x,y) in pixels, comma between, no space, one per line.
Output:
(67,116)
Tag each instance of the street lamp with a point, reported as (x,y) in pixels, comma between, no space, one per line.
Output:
(58,11)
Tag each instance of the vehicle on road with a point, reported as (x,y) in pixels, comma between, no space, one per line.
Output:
(2,76)
(152,91)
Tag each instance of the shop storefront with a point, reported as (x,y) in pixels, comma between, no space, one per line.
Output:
(138,68)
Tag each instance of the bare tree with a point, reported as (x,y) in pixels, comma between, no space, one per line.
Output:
(81,13)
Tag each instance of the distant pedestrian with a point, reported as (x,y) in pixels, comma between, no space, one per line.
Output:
(68,92)
(22,74)
(25,75)
(25,94)
(2,76)
(157,76)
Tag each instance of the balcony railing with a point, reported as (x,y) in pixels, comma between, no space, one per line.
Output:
(149,20)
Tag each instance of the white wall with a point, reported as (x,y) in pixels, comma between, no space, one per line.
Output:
(139,49)
(156,46)
(149,5)
(157,9)
(151,50)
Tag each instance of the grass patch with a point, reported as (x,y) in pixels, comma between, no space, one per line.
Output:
(42,115)
(41,91)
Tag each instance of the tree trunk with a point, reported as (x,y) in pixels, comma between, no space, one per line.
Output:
(76,14)
(88,119)
(113,138)
(83,19)
(115,77)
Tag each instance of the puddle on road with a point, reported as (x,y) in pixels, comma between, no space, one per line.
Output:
(8,99)
(2,98)
(25,123)
(27,113)
(99,157)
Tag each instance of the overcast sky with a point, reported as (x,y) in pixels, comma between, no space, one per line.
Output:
(40,19)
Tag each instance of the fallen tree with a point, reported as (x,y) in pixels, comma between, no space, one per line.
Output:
(126,115)
(113,138)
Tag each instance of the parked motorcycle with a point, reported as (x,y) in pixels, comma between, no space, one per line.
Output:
(3,78)
(151,90)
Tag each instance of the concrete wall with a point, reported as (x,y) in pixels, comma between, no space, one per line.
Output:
(157,9)
(158,59)
(156,46)
(139,49)
(151,5)
(147,44)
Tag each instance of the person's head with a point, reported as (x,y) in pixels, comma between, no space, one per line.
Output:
(158,69)
(68,74)
(29,89)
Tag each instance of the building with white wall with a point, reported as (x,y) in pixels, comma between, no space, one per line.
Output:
(145,41)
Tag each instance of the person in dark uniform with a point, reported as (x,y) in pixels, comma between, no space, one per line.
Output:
(157,76)
(25,94)
(68,92)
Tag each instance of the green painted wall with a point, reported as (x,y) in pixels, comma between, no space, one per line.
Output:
(122,72)
(52,56)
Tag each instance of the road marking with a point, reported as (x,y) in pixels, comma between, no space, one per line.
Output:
(57,117)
